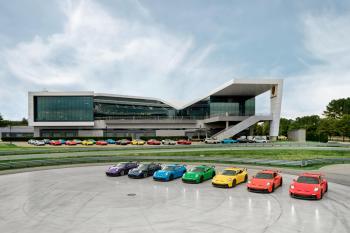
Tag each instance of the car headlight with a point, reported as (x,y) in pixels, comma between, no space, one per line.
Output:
(316,189)
(292,186)
(268,183)
(249,182)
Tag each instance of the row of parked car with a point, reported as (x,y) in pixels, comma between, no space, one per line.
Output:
(106,142)
(238,140)
(307,185)
(140,142)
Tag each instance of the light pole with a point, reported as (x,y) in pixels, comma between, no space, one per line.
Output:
(10,133)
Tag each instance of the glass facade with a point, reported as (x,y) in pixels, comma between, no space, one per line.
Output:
(221,105)
(59,133)
(89,108)
(127,107)
(63,108)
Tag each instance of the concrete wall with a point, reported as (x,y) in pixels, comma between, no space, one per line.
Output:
(164,133)
(297,135)
(90,133)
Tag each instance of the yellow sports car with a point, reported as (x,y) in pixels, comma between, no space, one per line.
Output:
(87,143)
(137,142)
(229,177)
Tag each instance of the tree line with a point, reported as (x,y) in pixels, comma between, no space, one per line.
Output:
(5,123)
(335,121)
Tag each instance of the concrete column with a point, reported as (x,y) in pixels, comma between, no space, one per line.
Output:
(36,132)
(226,124)
(275,104)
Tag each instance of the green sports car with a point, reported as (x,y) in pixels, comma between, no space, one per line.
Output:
(199,174)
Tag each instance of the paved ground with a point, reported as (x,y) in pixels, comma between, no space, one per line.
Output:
(85,200)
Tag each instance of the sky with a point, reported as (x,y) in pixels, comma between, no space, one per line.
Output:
(174,50)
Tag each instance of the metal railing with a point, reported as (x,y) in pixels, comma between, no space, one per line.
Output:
(170,117)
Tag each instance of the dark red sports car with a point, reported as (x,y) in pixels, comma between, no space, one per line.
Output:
(71,143)
(266,180)
(309,185)
(153,142)
(101,143)
(55,143)
(184,142)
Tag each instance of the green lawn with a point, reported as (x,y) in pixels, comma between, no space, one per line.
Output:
(7,146)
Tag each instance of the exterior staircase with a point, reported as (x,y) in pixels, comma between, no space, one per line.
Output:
(235,129)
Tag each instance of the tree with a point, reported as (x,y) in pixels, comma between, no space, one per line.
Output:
(337,108)
(284,126)
(343,126)
(328,127)
(310,124)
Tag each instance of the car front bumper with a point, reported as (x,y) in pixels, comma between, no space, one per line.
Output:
(157,178)
(220,184)
(135,176)
(304,195)
(112,173)
(257,188)
(190,181)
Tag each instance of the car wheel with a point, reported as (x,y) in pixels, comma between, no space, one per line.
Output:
(281,182)
(145,175)
(273,188)
(201,179)
(233,184)
(213,174)
(171,177)
(321,195)
(122,173)
(326,189)
(245,179)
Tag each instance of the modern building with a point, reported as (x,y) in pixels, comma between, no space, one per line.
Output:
(16,132)
(225,112)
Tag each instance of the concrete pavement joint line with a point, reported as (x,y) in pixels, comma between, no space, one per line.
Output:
(208,209)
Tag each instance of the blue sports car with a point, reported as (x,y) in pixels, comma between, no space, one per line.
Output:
(228,141)
(170,172)
(110,141)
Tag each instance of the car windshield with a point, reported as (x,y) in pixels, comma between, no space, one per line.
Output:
(228,173)
(121,165)
(143,167)
(169,168)
(197,169)
(264,176)
(307,180)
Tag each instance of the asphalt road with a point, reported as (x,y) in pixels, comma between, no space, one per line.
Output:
(85,200)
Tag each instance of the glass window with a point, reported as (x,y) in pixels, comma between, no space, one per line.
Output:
(63,108)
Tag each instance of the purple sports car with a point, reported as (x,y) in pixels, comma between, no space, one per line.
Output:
(121,168)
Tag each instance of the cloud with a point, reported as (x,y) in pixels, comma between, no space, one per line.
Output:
(104,53)
(326,38)
(115,53)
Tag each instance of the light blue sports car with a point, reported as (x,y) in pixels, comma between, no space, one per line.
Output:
(229,141)
(170,172)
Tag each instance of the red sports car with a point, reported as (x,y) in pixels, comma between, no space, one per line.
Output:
(309,185)
(153,142)
(184,142)
(101,143)
(71,143)
(266,180)
(55,143)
